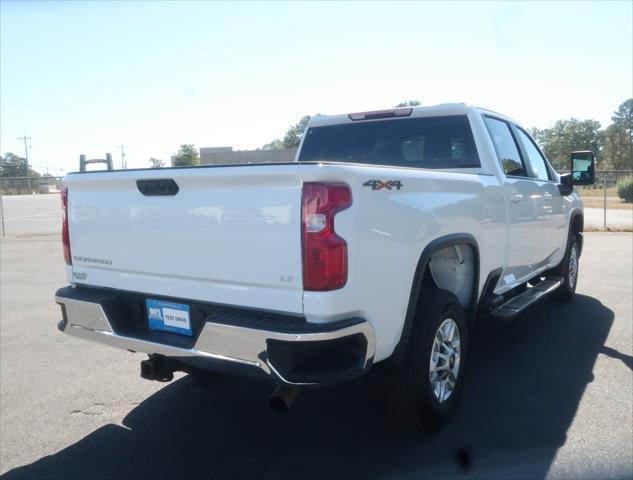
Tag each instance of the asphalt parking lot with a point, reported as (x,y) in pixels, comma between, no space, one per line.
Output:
(547,395)
(594,217)
(31,214)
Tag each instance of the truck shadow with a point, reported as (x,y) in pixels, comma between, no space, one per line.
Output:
(523,386)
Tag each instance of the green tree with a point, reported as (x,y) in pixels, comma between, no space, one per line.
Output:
(618,139)
(294,133)
(534,132)
(292,139)
(616,154)
(566,136)
(274,145)
(187,156)
(409,103)
(623,116)
(13,166)
(156,162)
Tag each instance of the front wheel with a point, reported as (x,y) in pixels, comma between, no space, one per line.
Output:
(427,388)
(569,272)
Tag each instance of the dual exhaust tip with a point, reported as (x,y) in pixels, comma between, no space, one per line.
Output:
(159,368)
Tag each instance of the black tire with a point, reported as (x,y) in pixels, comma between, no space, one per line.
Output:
(569,271)
(414,403)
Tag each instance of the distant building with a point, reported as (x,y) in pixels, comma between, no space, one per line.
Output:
(209,152)
(226,155)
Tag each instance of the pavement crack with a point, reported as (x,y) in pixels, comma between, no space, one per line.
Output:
(101,408)
(86,412)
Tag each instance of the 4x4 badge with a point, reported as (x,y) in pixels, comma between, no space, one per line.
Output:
(379,184)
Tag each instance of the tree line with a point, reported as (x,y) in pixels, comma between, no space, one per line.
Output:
(612,145)
(12,165)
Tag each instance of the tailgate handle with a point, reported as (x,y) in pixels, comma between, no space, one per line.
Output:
(162,186)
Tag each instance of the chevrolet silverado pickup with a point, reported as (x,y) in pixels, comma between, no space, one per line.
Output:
(378,248)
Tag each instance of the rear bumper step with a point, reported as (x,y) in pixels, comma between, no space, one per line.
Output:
(516,305)
(287,349)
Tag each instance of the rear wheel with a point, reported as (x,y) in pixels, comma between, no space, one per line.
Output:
(569,272)
(427,388)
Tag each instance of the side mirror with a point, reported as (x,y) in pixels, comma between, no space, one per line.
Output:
(583,168)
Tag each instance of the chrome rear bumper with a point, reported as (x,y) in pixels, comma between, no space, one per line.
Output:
(240,349)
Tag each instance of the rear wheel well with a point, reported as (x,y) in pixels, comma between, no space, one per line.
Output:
(453,269)
(424,278)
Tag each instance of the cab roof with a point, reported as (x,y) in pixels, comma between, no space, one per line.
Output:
(440,110)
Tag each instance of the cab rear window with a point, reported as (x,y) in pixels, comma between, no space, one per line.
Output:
(431,142)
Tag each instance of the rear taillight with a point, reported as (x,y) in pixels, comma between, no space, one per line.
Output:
(324,252)
(65,233)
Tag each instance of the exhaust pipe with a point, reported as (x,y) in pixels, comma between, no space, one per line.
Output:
(282,397)
(158,368)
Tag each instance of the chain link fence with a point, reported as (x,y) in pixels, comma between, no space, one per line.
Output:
(30,185)
(606,179)
(603,206)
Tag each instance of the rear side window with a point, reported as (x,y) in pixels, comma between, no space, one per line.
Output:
(506,147)
(432,142)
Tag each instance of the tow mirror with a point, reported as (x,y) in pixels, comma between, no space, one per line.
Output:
(583,168)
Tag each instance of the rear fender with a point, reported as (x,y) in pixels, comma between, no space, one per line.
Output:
(422,275)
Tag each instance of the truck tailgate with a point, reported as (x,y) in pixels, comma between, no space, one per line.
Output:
(231,234)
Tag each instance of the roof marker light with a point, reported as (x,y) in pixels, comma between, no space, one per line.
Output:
(391,113)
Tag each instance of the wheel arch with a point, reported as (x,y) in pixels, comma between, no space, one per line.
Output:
(421,278)
(576,227)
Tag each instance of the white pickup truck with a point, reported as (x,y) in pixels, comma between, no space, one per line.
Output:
(378,248)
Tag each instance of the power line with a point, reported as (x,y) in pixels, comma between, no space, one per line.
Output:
(26,150)
(48,166)
(123,163)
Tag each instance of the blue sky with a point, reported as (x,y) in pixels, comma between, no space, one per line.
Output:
(84,77)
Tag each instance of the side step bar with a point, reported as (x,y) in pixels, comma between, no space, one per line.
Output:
(518,304)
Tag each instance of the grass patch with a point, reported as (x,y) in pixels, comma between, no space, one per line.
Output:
(612,202)
(609,229)
(596,192)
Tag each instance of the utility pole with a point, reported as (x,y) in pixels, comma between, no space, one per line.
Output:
(123,164)
(26,151)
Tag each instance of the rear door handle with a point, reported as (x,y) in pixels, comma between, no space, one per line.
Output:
(516,198)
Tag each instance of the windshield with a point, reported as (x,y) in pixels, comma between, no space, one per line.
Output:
(432,142)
